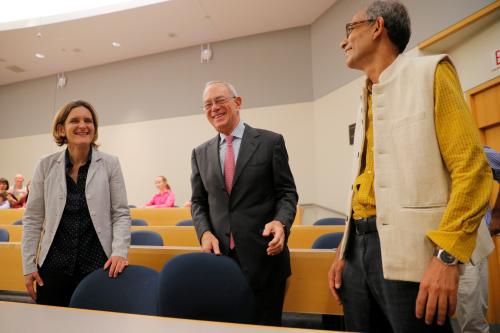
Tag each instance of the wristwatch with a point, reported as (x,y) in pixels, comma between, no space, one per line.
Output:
(445,257)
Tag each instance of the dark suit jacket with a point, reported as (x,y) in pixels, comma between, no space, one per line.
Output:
(263,190)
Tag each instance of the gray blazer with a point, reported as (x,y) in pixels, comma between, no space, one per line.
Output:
(106,200)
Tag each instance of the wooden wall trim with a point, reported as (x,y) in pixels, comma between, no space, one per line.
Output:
(460,25)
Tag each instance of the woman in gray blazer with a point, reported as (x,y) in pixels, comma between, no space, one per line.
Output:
(77,219)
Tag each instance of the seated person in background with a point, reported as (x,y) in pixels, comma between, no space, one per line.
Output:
(165,198)
(4,184)
(18,192)
(4,203)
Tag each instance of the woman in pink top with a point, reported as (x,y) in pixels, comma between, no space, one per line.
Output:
(165,198)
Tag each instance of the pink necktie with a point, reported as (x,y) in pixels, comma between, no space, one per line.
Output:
(229,164)
(229,174)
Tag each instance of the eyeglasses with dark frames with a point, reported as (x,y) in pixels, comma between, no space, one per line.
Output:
(349,27)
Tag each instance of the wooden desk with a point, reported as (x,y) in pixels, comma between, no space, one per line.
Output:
(301,237)
(154,216)
(20,317)
(9,216)
(161,216)
(307,289)
(170,216)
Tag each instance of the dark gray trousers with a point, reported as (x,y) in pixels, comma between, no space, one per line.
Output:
(372,303)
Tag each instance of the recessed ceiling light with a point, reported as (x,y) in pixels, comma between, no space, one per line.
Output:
(116,44)
(39,55)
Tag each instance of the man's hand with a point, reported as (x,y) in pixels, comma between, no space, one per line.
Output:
(335,276)
(210,243)
(116,265)
(29,280)
(437,292)
(277,244)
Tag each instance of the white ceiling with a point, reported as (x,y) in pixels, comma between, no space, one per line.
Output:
(86,42)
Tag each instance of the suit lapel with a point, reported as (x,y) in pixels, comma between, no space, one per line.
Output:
(61,172)
(214,157)
(249,144)
(96,158)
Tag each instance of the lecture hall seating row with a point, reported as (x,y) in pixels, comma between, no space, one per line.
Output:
(301,236)
(154,216)
(307,290)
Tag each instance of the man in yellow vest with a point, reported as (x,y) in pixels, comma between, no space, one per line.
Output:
(420,188)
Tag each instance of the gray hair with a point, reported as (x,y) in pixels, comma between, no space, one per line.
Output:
(396,20)
(228,85)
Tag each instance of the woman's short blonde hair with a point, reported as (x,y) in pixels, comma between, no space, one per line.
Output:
(165,181)
(63,114)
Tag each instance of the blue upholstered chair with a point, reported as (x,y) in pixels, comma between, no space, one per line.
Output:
(184,223)
(146,237)
(139,222)
(204,286)
(328,241)
(18,222)
(330,221)
(4,235)
(133,291)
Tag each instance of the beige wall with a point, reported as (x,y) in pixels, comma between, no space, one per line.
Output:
(163,147)
(473,57)
(333,155)
(272,68)
(428,17)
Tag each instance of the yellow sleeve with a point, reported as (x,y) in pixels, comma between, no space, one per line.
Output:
(463,155)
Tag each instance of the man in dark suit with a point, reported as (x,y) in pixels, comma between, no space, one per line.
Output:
(244,198)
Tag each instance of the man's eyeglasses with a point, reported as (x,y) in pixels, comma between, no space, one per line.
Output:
(217,101)
(349,27)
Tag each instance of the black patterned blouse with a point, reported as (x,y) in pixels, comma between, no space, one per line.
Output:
(76,249)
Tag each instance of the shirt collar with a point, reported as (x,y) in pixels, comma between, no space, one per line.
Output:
(69,164)
(237,132)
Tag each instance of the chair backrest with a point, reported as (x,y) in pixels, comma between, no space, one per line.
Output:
(139,222)
(135,290)
(146,237)
(4,235)
(204,286)
(18,222)
(328,241)
(330,221)
(184,223)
